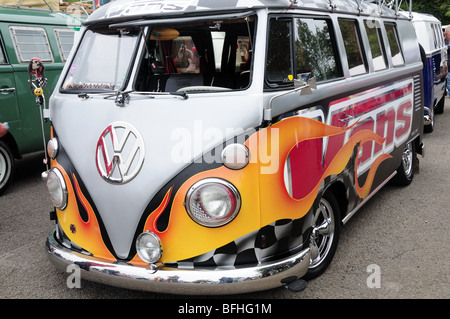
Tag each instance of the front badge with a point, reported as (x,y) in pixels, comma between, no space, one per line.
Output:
(120,153)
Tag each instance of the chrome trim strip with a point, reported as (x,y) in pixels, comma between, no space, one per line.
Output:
(175,281)
(7,90)
(353,212)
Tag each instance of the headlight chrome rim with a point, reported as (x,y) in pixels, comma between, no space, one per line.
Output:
(157,245)
(208,220)
(59,204)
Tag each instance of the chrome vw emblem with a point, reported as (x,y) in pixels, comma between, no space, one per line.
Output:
(120,153)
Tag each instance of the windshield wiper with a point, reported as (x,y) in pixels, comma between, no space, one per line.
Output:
(182,94)
(123,97)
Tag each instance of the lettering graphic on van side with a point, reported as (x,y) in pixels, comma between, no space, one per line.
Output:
(386,110)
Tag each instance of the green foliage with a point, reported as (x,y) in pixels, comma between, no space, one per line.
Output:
(438,8)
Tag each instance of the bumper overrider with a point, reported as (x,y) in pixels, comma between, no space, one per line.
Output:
(157,278)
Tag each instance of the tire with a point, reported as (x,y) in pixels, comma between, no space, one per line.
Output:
(405,172)
(439,109)
(324,239)
(7,166)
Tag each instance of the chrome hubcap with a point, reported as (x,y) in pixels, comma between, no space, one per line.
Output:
(407,160)
(322,234)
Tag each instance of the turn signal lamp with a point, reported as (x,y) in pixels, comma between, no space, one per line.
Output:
(235,156)
(52,148)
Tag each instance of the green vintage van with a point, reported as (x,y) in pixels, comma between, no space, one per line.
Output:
(26,33)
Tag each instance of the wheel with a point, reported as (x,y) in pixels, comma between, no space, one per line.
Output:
(7,166)
(405,172)
(325,235)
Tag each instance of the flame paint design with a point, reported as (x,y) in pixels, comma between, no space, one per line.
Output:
(150,224)
(85,234)
(262,188)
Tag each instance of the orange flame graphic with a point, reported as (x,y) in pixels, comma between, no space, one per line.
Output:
(85,234)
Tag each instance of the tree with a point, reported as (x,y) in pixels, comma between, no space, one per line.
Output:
(438,8)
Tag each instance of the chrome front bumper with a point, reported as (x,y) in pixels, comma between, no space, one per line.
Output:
(176,281)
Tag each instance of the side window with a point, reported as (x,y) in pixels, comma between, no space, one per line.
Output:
(396,53)
(65,38)
(376,45)
(2,55)
(31,42)
(438,33)
(279,68)
(353,46)
(314,49)
(435,39)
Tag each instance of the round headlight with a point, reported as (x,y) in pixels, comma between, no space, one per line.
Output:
(235,156)
(57,189)
(213,202)
(52,148)
(148,247)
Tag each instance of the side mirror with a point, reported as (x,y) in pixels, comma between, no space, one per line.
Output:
(305,83)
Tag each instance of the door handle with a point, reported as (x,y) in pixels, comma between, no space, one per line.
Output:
(7,90)
(346,118)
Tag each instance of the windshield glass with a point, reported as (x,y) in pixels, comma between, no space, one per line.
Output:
(102,61)
(199,56)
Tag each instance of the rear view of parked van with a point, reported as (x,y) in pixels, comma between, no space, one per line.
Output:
(24,35)
(430,37)
(218,147)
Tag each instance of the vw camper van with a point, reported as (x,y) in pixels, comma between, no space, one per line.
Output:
(26,33)
(430,37)
(218,147)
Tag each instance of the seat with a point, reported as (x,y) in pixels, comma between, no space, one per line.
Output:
(178,81)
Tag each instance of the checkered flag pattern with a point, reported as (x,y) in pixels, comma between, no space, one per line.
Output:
(282,237)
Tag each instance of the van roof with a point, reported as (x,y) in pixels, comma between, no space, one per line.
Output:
(35,16)
(126,10)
